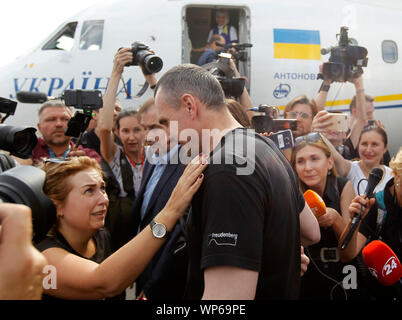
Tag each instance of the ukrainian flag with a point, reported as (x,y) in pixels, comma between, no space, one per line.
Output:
(297,44)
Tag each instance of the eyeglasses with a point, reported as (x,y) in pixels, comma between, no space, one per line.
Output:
(311,137)
(294,114)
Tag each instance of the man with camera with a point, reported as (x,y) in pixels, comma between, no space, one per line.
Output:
(216,43)
(54,116)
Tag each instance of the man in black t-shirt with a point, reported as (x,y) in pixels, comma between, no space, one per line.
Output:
(243,231)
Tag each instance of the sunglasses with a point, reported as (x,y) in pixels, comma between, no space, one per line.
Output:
(309,138)
(294,114)
(57,160)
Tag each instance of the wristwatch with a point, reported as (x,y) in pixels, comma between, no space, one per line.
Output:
(159,230)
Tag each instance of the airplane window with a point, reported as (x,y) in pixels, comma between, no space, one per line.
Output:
(389,51)
(63,40)
(91,35)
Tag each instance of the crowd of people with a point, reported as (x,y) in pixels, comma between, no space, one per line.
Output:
(147,200)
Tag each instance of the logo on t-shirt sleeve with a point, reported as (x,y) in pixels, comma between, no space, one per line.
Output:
(222,239)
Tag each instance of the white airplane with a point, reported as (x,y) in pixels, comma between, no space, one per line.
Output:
(284,61)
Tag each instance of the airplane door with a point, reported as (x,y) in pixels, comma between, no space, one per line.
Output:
(197,21)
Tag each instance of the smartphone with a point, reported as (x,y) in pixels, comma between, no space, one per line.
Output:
(339,122)
(283,139)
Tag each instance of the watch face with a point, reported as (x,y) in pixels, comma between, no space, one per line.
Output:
(159,230)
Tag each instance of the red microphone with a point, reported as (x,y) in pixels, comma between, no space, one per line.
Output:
(382,262)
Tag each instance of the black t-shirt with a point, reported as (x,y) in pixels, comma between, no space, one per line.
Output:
(247,218)
(102,242)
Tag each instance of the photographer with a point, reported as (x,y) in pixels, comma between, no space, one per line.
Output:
(21,264)
(361,111)
(211,50)
(125,163)
(53,119)
(304,110)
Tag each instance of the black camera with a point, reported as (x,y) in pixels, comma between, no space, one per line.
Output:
(238,50)
(346,61)
(267,122)
(7,106)
(18,140)
(144,58)
(23,185)
(232,86)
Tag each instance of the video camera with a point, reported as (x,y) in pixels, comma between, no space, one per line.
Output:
(87,100)
(18,140)
(232,86)
(144,58)
(237,50)
(268,122)
(346,61)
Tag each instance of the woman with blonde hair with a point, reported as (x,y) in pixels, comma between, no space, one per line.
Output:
(312,160)
(79,248)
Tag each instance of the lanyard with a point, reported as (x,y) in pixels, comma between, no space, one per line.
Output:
(52,155)
(133,163)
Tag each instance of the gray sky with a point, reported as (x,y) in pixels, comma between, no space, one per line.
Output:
(25,23)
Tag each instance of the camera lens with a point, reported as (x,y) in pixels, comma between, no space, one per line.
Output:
(153,63)
(19,141)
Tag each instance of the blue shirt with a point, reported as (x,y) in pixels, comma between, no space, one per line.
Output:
(208,56)
(160,166)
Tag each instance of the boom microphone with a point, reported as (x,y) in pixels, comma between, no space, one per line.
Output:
(32,97)
(315,202)
(374,178)
(382,262)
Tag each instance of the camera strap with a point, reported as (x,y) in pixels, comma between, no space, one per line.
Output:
(140,93)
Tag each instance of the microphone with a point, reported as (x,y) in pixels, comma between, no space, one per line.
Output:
(33,97)
(382,262)
(315,202)
(374,178)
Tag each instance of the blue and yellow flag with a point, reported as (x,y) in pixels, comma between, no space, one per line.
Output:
(297,44)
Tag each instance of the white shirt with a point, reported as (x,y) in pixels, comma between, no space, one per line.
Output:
(356,174)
